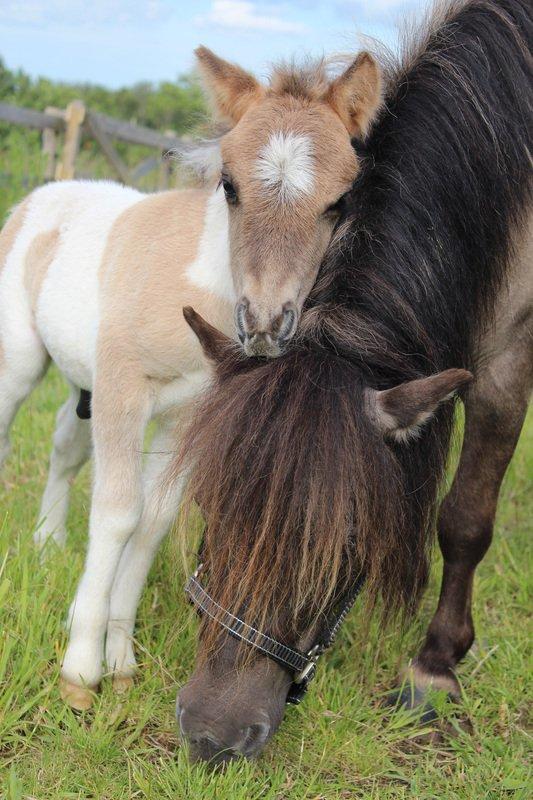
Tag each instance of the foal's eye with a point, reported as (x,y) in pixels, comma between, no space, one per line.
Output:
(335,209)
(229,190)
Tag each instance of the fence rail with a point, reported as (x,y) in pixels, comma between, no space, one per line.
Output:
(74,122)
(30,118)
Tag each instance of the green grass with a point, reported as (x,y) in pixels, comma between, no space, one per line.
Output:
(338,744)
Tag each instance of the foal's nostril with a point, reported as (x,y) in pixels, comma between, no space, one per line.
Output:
(288,324)
(240,319)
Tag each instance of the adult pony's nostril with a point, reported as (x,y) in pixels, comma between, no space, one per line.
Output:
(254,738)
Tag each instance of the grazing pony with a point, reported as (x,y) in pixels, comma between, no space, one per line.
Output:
(94,276)
(325,464)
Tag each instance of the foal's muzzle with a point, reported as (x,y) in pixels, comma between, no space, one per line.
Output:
(262,334)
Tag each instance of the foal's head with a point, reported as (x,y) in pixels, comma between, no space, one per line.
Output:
(285,164)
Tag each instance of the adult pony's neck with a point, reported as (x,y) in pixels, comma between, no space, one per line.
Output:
(298,488)
(447,181)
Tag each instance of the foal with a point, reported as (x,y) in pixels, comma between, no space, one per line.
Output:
(94,276)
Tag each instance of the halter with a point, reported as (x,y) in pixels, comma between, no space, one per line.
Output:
(302,666)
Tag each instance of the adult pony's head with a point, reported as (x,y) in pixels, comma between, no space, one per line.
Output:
(293,518)
(284,165)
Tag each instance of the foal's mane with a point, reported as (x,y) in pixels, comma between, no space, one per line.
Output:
(298,489)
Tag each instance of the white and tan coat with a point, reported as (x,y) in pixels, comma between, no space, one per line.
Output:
(95,276)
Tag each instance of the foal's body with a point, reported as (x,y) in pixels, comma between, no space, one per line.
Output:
(95,276)
(79,286)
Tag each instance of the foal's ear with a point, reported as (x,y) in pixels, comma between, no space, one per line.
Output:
(215,344)
(401,412)
(231,88)
(356,95)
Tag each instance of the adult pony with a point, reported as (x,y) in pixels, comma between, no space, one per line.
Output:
(323,466)
(94,275)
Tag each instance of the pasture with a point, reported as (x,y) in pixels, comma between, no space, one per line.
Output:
(339,743)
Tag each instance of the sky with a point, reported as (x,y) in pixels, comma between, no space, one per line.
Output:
(119,42)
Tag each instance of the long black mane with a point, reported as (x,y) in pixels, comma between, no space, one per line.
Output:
(447,178)
(297,487)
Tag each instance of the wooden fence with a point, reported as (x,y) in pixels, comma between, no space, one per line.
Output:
(77,120)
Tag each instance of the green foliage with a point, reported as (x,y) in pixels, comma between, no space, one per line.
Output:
(175,106)
(178,107)
(340,744)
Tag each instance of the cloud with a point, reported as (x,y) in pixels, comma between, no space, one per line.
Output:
(243,15)
(39,13)
(384,11)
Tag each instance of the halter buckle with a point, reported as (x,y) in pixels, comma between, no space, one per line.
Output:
(308,672)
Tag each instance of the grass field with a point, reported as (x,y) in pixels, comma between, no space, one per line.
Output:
(339,743)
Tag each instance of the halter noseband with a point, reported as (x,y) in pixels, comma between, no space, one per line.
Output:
(301,665)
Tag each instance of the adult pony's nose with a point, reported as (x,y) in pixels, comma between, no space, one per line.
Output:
(262,333)
(225,743)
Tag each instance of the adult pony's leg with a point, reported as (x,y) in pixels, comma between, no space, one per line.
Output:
(495,409)
(72,446)
(158,513)
(121,408)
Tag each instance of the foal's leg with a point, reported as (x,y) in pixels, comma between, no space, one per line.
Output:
(495,410)
(158,513)
(72,445)
(23,362)
(121,409)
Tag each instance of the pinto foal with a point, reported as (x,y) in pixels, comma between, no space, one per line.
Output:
(94,276)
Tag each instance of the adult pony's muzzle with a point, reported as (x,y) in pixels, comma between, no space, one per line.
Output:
(218,741)
(225,712)
(264,334)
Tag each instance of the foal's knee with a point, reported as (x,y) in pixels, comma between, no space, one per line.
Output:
(120,516)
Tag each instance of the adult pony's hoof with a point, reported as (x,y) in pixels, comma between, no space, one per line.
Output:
(122,683)
(79,698)
(413,699)
(416,688)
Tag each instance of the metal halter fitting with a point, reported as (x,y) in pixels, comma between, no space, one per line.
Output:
(301,665)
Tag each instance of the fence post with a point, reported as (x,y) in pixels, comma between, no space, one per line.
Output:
(74,117)
(50,144)
(109,151)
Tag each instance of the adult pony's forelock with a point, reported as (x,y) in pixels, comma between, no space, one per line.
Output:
(301,494)
(298,488)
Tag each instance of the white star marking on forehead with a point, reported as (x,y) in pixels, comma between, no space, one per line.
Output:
(285,165)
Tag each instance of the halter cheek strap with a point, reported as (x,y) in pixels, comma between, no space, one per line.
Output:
(301,665)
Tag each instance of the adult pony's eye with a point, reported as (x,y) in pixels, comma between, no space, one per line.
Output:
(229,190)
(335,209)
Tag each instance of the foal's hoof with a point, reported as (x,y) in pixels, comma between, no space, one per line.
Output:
(122,683)
(79,698)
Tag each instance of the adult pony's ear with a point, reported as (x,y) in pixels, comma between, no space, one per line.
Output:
(356,95)
(215,344)
(232,90)
(401,412)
